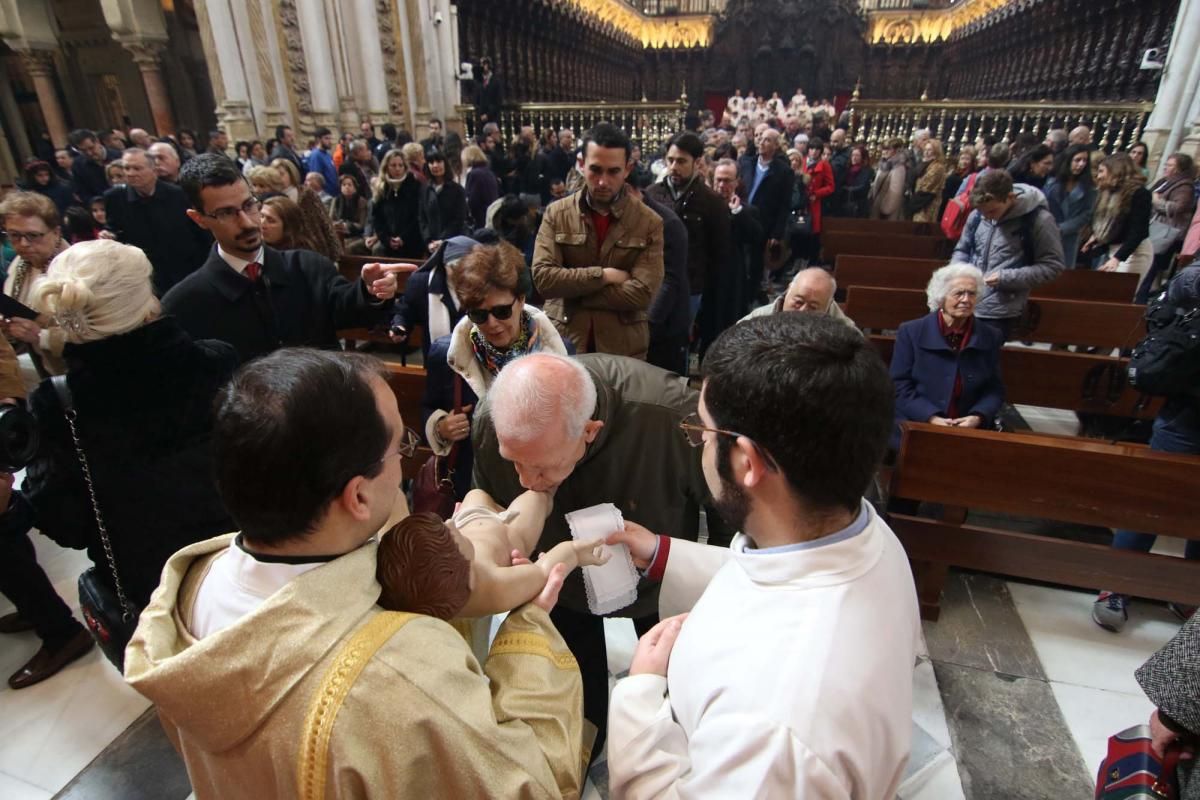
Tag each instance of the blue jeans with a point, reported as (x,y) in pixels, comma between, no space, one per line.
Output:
(1178,434)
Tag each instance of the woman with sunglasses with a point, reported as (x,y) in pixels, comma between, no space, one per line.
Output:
(491,282)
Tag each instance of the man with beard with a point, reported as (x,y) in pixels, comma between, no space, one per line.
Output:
(254,297)
(593,429)
(792,675)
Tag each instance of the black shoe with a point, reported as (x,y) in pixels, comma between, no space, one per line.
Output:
(47,663)
(14,623)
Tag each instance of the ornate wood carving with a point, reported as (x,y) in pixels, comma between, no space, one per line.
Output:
(293,50)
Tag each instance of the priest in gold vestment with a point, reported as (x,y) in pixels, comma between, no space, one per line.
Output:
(275,673)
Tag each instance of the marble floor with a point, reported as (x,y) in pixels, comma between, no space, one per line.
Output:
(1013,676)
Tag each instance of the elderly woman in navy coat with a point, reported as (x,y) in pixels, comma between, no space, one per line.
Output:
(946,368)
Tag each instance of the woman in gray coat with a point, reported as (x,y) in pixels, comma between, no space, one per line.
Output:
(1171,679)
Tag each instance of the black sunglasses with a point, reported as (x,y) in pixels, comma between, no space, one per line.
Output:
(480,315)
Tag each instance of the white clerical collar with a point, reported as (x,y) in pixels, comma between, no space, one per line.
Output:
(239,265)
(261,578)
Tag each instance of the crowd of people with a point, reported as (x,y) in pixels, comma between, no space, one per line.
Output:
(189,303)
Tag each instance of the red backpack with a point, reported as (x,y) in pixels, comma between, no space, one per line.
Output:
(954,218)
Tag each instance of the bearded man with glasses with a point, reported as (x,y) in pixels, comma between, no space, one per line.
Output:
(255,297)
(792,674)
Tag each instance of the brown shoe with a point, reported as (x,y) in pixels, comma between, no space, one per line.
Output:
(14,623)
(46,663)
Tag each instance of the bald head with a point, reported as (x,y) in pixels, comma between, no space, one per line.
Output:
(811,291)
(769,144)
(140,138)
(166,161)
(1080,135)
(838,139)
(541,407)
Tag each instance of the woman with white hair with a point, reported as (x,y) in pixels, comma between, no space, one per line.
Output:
(142,392)
(945,367)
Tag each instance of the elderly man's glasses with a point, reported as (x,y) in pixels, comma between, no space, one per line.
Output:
(694,429)
(409,442)
(230,213)
(480,315)
(16,237)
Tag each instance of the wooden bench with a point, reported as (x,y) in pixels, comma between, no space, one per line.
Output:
(1058,379)
(1107,325)
(351,268)
(902,227)
(408,384)
(913,273)
(835,243)
(1078,481)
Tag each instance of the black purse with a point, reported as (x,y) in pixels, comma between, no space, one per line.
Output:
(110,616)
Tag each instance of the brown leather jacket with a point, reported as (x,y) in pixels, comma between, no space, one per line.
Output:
(567,264)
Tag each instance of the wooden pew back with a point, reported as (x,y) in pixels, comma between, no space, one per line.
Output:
(901,227)
(1058,379)
(408,384)
(913,273)
(835,243)
(1108,325)
(1068,480)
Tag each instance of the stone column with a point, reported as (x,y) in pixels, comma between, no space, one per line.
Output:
(1168,123)
(40,66)
(148,57)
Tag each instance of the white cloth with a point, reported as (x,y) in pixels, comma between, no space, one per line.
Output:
(792,677)
(239,265)
(237,584)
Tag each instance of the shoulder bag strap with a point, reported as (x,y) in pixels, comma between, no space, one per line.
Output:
(453,455)
(67,401)
(327,700)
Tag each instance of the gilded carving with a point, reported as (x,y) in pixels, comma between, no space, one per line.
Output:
(391,58)
(293,50)
(652,32)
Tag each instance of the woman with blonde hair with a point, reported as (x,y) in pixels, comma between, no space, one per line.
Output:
(927,193)
(290,176)
(483,188)
(142,392)
(265,182)
(395,211)
(1121,220)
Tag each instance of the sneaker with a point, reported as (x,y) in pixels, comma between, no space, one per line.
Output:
(1109,611)
(1180,610)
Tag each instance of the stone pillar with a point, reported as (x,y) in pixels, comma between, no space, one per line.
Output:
(1168,123)
(40,66)
(148,57)
(16,124)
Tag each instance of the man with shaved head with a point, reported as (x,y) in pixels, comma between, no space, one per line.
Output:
(1081,134)
(140,138)
(594,429)
(768,179)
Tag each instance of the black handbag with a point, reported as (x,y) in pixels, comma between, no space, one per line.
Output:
(110,616)
(433,488)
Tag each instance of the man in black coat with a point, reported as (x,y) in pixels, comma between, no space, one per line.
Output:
(702,211)
(768,181)
(488,93)
(152,215)
(87,170)
(746,243)
(254,297)
(285,148)
(670,310)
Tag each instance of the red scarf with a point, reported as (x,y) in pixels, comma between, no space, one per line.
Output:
(958,340)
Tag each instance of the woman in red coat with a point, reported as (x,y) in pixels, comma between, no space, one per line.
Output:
(820,187)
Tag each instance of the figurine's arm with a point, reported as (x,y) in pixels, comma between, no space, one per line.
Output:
(498,589)
(573,554)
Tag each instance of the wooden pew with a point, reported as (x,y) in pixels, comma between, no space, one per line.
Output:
(881,226)
(1058,379)
(913,273)
(834,243)
(408,384)
(351,271)
(1079,481)
(1107,325)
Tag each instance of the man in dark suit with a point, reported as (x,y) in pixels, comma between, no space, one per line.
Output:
(768,181)
(254,297)
(87,170)
(746,244)
(152,215)
(285,148)
(670,310)
(488,93)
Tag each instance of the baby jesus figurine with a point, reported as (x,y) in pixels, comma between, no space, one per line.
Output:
(477,563)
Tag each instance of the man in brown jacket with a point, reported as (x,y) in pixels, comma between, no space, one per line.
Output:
(599,255)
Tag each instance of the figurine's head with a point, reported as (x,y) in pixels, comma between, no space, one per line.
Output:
(424,567)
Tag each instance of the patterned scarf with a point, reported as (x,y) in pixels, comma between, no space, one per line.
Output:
(493,359)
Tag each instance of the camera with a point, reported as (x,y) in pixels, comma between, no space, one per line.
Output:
(18,437)
(1154,58)
(437,18)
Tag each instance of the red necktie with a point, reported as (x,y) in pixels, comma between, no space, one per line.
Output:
(253,270)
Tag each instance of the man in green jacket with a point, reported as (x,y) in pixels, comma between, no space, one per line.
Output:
(594,429)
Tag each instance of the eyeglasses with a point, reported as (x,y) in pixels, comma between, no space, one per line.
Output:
(409,441)
(228,214)
(694,430)
(480,315)
(17,237)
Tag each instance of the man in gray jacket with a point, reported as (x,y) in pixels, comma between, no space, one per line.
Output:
(1013,239)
